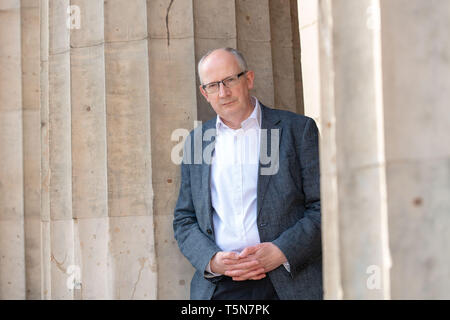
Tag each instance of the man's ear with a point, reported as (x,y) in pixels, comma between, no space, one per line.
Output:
(250,75)
(203,92)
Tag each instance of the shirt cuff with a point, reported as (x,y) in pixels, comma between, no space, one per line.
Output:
(286,265)
(209,273)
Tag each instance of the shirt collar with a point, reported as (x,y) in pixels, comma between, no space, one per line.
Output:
(254,116)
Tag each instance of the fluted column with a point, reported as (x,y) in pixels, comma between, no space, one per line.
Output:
(30,36)
(89,167)
(353,184)
(384,71)
(60,151)
(309,38)
(214,27)
(254,41)
(12,255)
(416,90)
(285,50)
(91,93)
(130,193)
(45,290)
(173,105)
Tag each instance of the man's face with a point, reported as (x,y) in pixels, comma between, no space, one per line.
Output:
(233,104)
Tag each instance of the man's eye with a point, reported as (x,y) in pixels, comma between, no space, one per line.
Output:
(230,80)
(211,86)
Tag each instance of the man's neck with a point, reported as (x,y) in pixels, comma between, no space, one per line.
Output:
(238,124)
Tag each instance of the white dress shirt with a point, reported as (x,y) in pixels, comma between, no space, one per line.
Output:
(234,182)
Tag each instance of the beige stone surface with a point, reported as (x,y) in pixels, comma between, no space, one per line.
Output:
(418,222)
(12,259)
(87,115)
(128,129)
(45,253)
(12,255)
(328,154)
(416,86)
(309,36)
(214,27)
(94,263)
(357,196)
(132,258)
(59,34)
(281,33)
(125,21)
(253,34)
(30,30)
(173,105)
(91,31)
(89,163)
(60,162)
(62,256)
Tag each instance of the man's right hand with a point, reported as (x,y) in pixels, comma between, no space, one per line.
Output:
(247,268)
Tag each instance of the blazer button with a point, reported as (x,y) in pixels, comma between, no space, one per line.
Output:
(209,231)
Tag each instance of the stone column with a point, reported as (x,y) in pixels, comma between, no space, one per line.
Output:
(173,105)
(87,115)
(254,41)
(60,151)
(214,27)
(416,90)
(309,38)
(89,166)
(130,194)
(385,80)
(352,152)
(30,36)
(285,50)
(45,290)
(12,255)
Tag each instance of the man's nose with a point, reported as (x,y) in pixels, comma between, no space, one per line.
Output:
(223,91)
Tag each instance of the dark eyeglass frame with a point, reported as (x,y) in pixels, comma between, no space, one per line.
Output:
(222,81)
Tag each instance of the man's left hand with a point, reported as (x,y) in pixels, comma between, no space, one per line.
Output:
(267,254)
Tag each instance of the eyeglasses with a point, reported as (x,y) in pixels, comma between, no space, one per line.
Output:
(229,82)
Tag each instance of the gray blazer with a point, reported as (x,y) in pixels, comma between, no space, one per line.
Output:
(288,206)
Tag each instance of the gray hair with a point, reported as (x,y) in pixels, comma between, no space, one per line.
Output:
(239,58)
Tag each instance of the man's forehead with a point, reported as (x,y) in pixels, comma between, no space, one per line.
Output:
(219,63)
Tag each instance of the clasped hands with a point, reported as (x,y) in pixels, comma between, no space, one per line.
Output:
(251,264)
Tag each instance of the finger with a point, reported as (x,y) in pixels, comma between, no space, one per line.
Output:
(244,273)
(230,255)
(247,251)
(258,277)
(250,265)
(238,261)
(254,275)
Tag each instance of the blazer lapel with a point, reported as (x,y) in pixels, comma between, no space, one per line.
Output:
(208,133)
(270,122)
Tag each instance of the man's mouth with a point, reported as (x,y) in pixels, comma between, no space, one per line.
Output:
(227,103)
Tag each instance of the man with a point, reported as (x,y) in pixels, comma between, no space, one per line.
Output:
(251,228)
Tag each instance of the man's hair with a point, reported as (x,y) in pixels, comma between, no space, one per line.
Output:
(239,58)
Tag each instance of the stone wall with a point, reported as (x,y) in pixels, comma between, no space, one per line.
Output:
(87,112)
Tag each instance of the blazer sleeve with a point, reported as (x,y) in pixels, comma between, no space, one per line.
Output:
(301,243)
(195,245)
